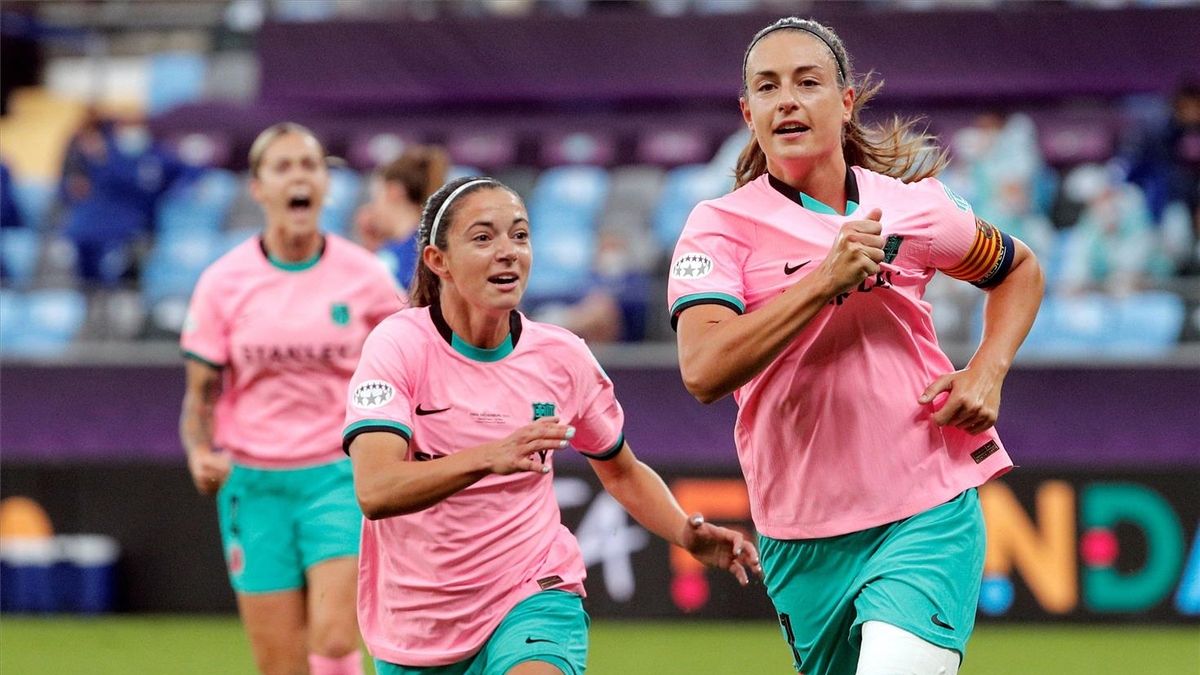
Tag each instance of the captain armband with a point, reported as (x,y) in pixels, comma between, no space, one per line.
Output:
(990,257)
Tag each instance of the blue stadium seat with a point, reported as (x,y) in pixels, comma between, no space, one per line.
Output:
(47,321)
(20,248)
(175,78)
(34,199)
(200,204)
(12,317)
(175,263)
(345,187)
(685,187)
(1147,324)
(563,210)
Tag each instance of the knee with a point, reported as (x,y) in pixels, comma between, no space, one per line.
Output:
(333,638)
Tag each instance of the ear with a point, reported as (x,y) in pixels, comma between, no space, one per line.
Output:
(847,104)
(256,190)
(746,113)
(435,259)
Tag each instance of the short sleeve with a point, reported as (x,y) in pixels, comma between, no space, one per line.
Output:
(380,390)
(600,421)
(205,334)
(707,265)
(963,245)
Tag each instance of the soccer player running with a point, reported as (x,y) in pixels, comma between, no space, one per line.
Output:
(455,412)
(273,333)
(800,294)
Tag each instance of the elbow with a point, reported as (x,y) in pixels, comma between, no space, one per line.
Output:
(701,388)
(372,505)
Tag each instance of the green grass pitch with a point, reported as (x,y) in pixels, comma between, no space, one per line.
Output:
(176,645)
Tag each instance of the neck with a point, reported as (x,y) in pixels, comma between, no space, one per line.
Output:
(485,329)
(823,181)
(289,247)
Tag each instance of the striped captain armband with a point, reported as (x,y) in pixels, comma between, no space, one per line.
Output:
(990,257)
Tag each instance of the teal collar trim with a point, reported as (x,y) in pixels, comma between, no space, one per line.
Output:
(471,351)
(293,266)
(479,353)
(816,205)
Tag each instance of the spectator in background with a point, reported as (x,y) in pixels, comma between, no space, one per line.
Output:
(1165,161)
(995,150)
(1013,211)
(10,216)
(1114,246)
(387,224)
(113,174)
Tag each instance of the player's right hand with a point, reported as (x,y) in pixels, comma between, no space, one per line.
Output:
(855,255)
(529,448)
(209,470)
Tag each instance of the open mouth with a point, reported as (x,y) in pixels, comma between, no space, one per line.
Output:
(790,128)
(506,279)
(299,203)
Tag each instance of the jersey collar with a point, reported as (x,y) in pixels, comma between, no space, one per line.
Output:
(814,205)
(469,350)
(292,266)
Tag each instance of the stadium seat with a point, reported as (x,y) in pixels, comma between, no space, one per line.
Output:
(175,263)
(1147,324)
(578,147)
(202,148)
(631,202)
(563,211)
(486,149)
(47,321)
(345,189)
(34,201)
(371,149)
(685,187)
(175,78)
(20,249)
(201,204)
(669,148)
(12,317)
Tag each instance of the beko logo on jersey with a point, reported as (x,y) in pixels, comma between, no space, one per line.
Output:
(373,394)
(692,266)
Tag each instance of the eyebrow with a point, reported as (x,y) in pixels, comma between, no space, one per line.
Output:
(798,69)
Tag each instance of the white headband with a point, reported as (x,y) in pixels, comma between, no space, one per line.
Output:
(437,220)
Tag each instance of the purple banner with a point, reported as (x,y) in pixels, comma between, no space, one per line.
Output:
(1050,417)
(1022,49)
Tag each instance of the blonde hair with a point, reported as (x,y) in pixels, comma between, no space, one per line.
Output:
(268,136)
(894,148)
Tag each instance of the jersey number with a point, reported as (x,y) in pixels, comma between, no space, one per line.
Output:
(786,622)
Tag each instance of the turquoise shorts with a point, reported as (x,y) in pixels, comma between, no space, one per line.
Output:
(549,626)
(277,523)
(920,574)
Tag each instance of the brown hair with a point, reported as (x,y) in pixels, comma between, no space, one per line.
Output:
(427,287)
(894,149)
(420,170)
(259,147)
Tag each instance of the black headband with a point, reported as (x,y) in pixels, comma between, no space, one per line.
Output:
(795,26)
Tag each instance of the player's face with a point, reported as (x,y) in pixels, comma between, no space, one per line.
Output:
(291,183)
(488,254)
(793,104)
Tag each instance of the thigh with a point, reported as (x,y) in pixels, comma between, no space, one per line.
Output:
(275,624)
(925,576)
(260,545)
(460,668)
(546,633)
(888,650)
(332,612)
(329,520)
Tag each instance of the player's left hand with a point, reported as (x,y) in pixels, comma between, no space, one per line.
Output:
(973,403)
(721,547)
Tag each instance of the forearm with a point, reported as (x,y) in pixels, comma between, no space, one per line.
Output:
(642,493)
(1009,312)
(727,354)
(401,487)
(196,426)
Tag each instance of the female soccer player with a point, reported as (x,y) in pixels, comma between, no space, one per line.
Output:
(800,293)
(273,334)
(455,412)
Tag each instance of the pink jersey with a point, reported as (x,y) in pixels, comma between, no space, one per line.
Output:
(830,435)
(288,338)
(434,585)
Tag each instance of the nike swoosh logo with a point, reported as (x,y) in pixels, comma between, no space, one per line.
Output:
(422,411)
(530,641)
(788,269)
(938,622)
